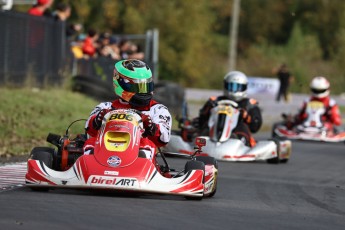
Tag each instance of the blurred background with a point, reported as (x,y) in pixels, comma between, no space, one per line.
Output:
(195,36)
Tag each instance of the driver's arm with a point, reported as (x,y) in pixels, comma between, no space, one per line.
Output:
(204,112)
(334,115)
(89,128)
(161,118)
(256,118)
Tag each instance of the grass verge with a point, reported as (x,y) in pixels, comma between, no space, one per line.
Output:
(28,115)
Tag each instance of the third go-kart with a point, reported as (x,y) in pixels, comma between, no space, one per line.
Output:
(118,164)
(312,129)
(222,145)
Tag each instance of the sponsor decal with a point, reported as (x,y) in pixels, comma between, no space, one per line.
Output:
(117,126)
(114,161)
(114,173)
(115,181)
(165,118)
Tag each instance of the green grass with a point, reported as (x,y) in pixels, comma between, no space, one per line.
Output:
(28,115)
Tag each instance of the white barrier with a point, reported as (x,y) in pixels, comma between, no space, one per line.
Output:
(260,85)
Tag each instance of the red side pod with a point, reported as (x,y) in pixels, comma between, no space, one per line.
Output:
(192,183)
(36,173)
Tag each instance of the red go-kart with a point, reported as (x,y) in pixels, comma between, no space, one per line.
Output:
(118,163)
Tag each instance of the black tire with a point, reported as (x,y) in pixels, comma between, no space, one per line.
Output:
(44,154)
(273,134)
(207,160)
(276,159)
(284,161)
(194,165)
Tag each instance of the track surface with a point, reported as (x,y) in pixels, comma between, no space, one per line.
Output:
(306,193)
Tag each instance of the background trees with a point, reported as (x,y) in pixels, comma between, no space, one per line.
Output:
(308,35)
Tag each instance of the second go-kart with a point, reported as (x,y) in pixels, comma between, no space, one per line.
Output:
(118,163)
(312,129)
(220,143)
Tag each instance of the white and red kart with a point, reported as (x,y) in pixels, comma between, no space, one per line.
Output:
(118,163)
(312,129)
(222,145)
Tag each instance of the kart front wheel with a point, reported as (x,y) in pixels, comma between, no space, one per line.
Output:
(194,165)
(44,154)
(207,160)
(284,160)
(276,159)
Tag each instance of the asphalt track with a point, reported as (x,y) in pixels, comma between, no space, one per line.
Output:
(306,193)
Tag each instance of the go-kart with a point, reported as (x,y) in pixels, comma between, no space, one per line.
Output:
(118,163)
(220,141)
(311,129)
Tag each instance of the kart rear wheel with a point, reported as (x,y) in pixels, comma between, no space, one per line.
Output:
(276,159)
(194,165)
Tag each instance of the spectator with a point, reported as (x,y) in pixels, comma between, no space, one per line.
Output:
(62,13)
(76,46)
(285,78)
(90,44)
(130,50)
(114,52)
(108,47)
(41,8)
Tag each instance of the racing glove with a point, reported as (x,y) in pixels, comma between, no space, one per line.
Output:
(149,126)
(245,116)
(97,121)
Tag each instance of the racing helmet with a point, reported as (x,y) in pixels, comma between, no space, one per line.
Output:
(319,87)
(132,81)
(235,85)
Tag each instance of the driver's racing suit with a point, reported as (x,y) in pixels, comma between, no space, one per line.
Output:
(250,122)
(160,117)
(330,117)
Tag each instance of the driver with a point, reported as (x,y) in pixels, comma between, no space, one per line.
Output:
(235,89)
(133,84)
(319,87)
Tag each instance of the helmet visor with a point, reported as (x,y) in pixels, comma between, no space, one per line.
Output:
(143,86)
(318,91)
(235,87)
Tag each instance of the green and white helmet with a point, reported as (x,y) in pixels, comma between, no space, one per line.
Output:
(133,82)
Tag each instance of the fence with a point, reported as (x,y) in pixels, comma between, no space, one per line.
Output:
(34,49)
(30,48)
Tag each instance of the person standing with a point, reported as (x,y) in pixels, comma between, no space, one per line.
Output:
(41,8)
(285,79)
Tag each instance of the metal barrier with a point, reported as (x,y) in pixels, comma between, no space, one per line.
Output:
(31,49)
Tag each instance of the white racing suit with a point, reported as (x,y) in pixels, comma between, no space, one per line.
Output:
(160,117)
